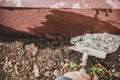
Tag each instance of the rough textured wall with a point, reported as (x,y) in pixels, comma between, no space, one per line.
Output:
(58,21)
(62,3)
(20,17)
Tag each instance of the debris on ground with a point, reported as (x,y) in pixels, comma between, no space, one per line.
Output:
(46,59)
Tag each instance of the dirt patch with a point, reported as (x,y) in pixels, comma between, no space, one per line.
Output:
(45,58)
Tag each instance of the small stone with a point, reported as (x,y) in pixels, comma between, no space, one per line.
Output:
(47,74)
(31,48)
(116,74)
(10,64)
(51,63)
(1,48)
(57,73)
(16,69)
(113,70)
(47,68)
(36,70)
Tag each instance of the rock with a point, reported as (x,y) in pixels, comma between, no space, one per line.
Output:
(47,74)
(116,74)
(16,69)
(51,63)
(31,48)
(1,48)
(10,63)
(48,68)
(57,73)
(36,70)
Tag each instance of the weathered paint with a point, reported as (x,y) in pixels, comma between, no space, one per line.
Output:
(36,17)
(114,3)
(76,4)
(58,5)
(58,21)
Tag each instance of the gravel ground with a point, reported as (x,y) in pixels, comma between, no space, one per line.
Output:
(48,58)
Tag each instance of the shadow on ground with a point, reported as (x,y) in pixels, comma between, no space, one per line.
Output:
(8,32)
(70,23)
(63,22)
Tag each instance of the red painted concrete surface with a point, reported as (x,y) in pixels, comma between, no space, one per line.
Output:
(72,22)
(79,4)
